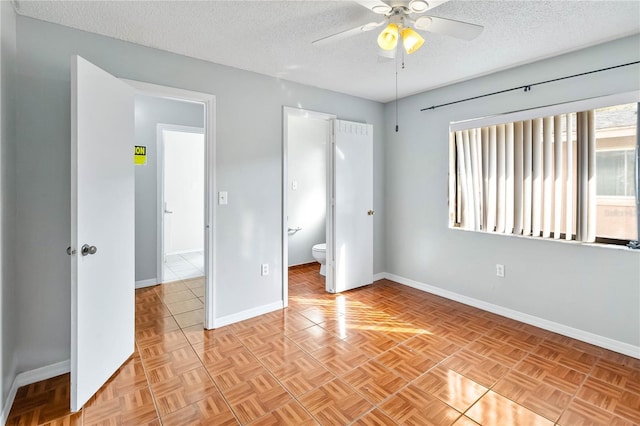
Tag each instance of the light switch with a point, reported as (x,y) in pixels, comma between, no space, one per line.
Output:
(222,198)
(294,185)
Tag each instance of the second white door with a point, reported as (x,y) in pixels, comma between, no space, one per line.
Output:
(350,203)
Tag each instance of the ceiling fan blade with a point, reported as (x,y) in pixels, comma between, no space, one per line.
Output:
(347,33)
(376,6)
(450,27)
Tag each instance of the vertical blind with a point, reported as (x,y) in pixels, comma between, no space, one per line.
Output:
(533,177)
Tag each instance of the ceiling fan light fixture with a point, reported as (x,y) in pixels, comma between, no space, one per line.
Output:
(418,6)
(411,40)
(388,38)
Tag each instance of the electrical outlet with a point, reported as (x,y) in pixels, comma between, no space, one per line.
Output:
(499,270)
(265,269)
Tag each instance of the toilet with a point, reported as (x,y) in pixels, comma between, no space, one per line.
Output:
(319,252)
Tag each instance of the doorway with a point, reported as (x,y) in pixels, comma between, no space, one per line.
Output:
(207,103)
(180,202)
(343,205)
(102,219)
(306,174)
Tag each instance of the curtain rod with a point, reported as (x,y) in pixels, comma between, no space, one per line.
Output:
(527,87)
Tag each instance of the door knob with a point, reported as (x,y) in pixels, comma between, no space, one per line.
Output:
(87,250)
(168,211)
(70,252)
(371,212)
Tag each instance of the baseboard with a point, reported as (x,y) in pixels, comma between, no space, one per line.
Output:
(303,264)
(249,313)
(565,330)
(29,377)
(379,276)
(146,283)
(184,252)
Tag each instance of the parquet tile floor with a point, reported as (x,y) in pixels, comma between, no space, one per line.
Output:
(385,354)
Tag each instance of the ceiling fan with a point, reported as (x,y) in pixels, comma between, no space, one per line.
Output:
(401,22)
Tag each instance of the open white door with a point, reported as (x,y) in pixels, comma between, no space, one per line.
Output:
(102,228)
(350,201)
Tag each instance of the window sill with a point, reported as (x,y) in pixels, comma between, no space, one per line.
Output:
(551,240)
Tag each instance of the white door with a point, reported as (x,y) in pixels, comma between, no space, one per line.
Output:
(102,221)
(350,247)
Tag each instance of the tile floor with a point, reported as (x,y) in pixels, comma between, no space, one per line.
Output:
(183,266)
(381,355)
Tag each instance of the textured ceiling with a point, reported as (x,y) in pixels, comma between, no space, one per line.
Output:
(274,37)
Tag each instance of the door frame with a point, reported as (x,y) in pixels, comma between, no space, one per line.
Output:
(209,101)
(160,127)
(299,112)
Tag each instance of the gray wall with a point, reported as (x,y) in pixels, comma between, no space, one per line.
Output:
(151,111)
(307,158)
(248,166)
(8,294)
(590,288)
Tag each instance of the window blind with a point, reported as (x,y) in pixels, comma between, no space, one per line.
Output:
(523,177)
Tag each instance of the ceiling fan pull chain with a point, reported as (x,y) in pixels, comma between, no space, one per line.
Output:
(397,91)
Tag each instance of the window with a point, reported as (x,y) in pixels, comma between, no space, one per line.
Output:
(616,135)
(568,175)
(615,176)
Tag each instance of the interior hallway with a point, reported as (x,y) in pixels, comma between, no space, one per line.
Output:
(383,354)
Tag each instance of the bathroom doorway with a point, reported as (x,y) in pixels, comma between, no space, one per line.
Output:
(307,136)
(343,205)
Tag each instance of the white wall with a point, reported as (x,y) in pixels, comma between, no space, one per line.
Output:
(8,292)
(589,288)
(248,166)
(184,191)
(307,160)
(151,111)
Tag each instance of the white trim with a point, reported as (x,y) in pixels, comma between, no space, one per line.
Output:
(146,283)
(565,330)
(160,249)
(29,377)
(379,276)
(286,113)
(330,254)
(179,252)
(310,262)
(249,313)
(545,111)
(209,102)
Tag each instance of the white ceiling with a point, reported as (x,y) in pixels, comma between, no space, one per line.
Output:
(274,37)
